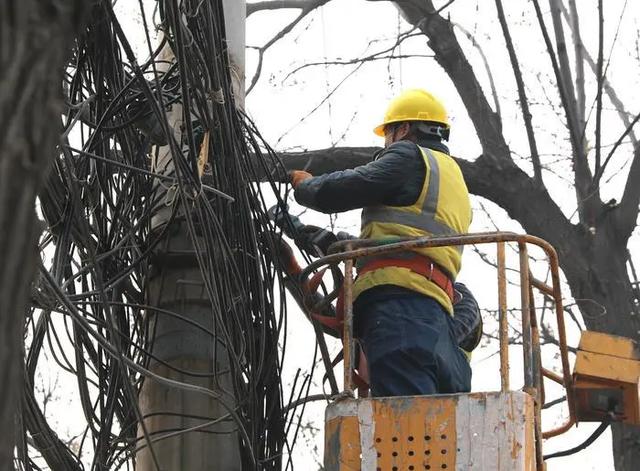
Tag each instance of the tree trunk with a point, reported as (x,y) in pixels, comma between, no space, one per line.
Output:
(177,285)
(626,446)
(34,39)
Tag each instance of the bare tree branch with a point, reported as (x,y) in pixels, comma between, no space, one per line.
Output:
(323,161)
(476,44)
(371,57)
(374,57)
(599,76)
(323,101)
(608,88)
(564,70)
(588,200)
(627,132)
(436,12)
(547,337)
(628,210)
(524,102)
(277,5)
(615,100)
(579,51)
(307,7)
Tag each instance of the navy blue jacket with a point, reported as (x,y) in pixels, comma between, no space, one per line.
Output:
(395,178)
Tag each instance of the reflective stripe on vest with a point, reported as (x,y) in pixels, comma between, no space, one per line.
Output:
(425,220)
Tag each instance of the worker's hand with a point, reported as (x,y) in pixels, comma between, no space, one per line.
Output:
(315,240)
(304,239)
(298,176)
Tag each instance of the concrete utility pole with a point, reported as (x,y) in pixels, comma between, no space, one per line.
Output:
(176,285)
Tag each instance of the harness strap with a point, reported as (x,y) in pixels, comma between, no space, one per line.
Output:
(418,264)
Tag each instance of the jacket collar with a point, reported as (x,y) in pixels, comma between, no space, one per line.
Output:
(434,144)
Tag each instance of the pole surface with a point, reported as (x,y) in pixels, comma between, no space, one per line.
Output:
(190,431)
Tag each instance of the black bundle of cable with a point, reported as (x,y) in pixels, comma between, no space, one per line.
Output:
(98,203)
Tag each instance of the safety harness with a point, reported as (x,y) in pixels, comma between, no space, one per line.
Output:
(417,263)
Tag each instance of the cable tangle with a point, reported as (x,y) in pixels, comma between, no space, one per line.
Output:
(149,150)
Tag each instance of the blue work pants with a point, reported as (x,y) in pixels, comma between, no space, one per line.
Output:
(410,346)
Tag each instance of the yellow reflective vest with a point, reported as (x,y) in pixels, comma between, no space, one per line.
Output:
(443,208)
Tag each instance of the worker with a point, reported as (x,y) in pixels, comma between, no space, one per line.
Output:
(316,241)
(403,301)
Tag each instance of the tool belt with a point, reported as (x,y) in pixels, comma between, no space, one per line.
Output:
(420,264)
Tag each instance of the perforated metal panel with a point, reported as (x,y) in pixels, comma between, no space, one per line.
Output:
(407,452)
(409,435)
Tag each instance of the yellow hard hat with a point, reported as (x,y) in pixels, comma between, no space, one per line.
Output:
(414,105)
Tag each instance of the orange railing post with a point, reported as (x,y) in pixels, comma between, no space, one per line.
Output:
(503,320)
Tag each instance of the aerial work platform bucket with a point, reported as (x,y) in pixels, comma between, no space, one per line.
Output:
(479,431)
(484,431)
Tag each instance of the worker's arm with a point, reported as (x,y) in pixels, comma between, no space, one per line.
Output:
(395,179)
(467,320)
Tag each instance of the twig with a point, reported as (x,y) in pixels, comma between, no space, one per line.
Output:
(487,67)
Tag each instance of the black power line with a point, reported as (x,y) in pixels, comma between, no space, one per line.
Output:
(98,248)
(592,438)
